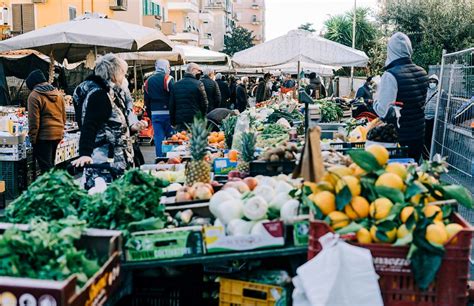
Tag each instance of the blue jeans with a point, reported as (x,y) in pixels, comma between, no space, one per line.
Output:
(162,130)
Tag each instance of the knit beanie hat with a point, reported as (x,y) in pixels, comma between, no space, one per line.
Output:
(36,77)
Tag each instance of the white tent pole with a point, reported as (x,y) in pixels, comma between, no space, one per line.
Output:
(353,42)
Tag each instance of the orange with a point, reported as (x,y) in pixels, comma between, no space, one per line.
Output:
(233,155)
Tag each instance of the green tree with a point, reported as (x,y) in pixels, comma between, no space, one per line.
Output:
(432,25)
(308,26)
(368,38)
(237,40)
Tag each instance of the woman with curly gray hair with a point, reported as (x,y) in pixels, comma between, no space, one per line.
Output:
(105,120)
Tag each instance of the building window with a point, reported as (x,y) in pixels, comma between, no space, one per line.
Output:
(254,18)
(23,18)
(150,8)
(72,12)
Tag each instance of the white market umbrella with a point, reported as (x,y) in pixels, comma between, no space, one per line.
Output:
(299,46)
(73,40)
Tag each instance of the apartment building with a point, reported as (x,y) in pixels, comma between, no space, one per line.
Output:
(223,20)
(148,13)
(27,15)
(250,14)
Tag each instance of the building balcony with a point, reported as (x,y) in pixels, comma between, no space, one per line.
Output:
(168,28)
(185,37)
(189,6)
(206,17)
(256,6)
(206,41)
(216,4)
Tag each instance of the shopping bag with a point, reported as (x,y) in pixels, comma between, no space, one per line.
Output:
(340,275)
(311,167)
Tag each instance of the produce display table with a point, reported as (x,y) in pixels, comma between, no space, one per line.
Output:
(206,259)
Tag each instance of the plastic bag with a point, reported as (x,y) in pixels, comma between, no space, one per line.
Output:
(341,274)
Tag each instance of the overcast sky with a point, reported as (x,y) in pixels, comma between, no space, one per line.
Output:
(285,15)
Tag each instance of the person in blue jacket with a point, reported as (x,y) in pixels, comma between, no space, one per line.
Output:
(157,94)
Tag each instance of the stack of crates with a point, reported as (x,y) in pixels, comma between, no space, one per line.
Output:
(14,175)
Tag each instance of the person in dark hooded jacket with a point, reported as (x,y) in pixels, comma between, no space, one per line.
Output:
(315,88)
(46,119)
(403,85)
(212,90)
(225,91)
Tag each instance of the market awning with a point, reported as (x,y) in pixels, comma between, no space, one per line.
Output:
(299,46)
(74,40)
(179,55)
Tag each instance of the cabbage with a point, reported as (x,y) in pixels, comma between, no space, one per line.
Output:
(239,227)
(282,186)
(218,198)
(284,123)
(265,192)
(230,210)
(289,211)
(278,200)
(255,208)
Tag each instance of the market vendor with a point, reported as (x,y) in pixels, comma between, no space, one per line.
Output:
(405,83)
(157,93)
(365,91)
(105,129)
(46,119)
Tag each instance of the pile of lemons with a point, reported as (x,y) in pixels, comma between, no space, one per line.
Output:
(394,176)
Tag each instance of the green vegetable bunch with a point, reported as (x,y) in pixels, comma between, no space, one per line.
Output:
(48,251)
(127,201)
(330,111)
(54,195)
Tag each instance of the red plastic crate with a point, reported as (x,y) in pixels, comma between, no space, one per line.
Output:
(397,284)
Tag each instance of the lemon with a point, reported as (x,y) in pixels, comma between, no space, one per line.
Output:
(363,236)
(338,219)
(452,229)
(391,235)
(358,208)
(329,179)
(431,210)
(416,199)
(356,170)
(325,200)
(435,233)
(339,171)
(390,180)
(426,178)
(379,152)
(407,212)
(380,208)
(352,182)
(402,231)
(313,186)
(398,169)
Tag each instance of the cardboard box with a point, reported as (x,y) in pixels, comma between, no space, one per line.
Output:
(164,244)
(222,166)
(27,291)
(217,241)
(12,140)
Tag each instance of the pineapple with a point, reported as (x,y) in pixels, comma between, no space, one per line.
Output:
(248,141)
(198,170)
(228,126)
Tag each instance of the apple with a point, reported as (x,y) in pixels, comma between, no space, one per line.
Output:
(251,182)
(202,193)
(182,196)
(234,174)
(241,186)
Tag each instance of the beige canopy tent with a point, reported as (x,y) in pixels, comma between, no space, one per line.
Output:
(74,40)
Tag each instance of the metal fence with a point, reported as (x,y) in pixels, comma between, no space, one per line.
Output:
(453,135)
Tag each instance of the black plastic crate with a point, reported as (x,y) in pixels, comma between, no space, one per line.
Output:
(271,168)
(14,175)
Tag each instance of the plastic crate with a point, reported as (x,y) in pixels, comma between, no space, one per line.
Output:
(14,175)
(271,168)
(154,291)
(240,293)
(396,281)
